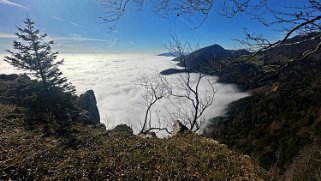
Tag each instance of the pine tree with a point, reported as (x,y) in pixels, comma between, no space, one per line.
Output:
(50,98)
(35,56)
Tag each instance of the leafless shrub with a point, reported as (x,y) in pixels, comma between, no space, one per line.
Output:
(155,89)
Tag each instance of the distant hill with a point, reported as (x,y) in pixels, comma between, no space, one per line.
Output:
(293,48)
(202,59)
(207,59)
(169,54)
(250,75)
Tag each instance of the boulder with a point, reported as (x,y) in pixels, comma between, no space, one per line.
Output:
(148,135)
(88,102)
(179,128)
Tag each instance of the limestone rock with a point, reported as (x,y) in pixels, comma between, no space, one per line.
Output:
(179,128)
(88,102)
(147,135)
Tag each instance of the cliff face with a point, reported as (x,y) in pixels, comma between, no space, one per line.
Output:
(88,103)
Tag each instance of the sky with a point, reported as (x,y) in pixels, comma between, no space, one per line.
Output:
(75,27)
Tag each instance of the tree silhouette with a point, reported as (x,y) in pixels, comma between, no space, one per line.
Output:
(297,18)
(50,97)
(189,101)
(156,89)
(35,56)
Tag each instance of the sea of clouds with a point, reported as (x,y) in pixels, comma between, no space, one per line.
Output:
(113,77)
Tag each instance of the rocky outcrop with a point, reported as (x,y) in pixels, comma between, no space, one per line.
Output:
(179,128)
(147,135)
(88,103)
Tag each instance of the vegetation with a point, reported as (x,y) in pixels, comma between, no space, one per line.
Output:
(186,95)
(155,89)
(96,154)
(30,152)
(279,120)
(35,56)
(279,125)
(49,98)
(188,99)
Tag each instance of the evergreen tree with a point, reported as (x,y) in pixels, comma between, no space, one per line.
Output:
(35,56)
(50,98)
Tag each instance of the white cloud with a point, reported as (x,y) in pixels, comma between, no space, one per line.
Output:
(113,77)
(75,24)
(65,21)
(57,18)
(131,43)
(76,37)
(12,4)
(112,44)
(72,37)
(7,35)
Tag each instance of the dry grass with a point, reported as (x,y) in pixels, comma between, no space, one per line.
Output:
(96,154)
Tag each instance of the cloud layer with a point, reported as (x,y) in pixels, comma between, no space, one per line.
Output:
(113,79)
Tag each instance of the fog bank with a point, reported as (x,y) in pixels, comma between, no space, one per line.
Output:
(113,79)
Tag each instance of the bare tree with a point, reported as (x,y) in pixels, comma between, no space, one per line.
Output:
(155,89)
(190,102)
(186,94)
(299,18)
(115,9)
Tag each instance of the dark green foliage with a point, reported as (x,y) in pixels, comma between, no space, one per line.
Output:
(275,125)
(123,128)
(35,56)
(48,99)
(51,109)
(246,75)
(307,165)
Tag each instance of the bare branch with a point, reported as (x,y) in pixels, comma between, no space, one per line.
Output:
(189,102)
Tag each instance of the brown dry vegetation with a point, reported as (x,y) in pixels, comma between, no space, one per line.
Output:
(94,153)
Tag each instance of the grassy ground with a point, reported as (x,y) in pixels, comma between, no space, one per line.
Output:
(96,154)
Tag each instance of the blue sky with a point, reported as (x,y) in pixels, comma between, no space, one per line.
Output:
(75,27)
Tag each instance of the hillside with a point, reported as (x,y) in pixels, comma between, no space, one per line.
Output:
(82,151)
(280,124)
(94,153)
(215,60)
(168,54)
(202,59)
(294,47)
